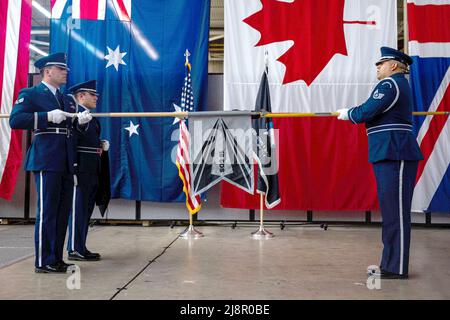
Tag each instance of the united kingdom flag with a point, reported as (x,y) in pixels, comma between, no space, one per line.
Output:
(429,46)
(92,9)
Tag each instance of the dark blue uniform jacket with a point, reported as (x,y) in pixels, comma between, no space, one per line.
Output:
(388,117)
(53,145)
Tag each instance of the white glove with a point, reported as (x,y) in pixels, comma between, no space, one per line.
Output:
(84,117)
(105,145)
(343,114)
(57,116)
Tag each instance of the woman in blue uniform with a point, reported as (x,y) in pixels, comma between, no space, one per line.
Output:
(394,153)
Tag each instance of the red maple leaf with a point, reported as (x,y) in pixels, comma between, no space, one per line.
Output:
(315,26)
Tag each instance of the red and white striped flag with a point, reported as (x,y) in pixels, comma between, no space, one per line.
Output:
(15,27)
(183,161)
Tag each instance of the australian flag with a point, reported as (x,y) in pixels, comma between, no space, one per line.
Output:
(135,50)
(429,46)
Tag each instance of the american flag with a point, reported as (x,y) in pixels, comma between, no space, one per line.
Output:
(15,26)
(429,45)
(183,161)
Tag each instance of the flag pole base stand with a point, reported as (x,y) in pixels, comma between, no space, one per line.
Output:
(191,233)
(262,233)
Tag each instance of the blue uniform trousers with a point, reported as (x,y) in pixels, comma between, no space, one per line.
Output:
(54,193)
(82,211)
(395,186)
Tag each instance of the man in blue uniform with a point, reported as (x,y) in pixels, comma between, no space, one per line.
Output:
(49,113)
(394,153)
(89,150)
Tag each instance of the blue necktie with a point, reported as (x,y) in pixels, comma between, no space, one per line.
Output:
(60,98)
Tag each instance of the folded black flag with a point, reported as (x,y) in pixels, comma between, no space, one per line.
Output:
(266,150)
(103,194)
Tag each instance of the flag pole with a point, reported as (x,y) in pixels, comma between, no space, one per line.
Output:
(230,113)
(191,232)
(262,233)
(405,27)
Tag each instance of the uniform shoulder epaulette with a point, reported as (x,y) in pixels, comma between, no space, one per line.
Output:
(388,82)
(26,91)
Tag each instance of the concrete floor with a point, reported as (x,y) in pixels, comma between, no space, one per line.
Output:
(299,263)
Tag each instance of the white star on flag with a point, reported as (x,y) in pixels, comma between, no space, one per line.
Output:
(132,129)
(114,57)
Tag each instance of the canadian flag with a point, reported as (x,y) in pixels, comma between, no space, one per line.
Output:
(321,56)
(15,26)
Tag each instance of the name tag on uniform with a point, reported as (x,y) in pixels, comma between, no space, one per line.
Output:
(377,95)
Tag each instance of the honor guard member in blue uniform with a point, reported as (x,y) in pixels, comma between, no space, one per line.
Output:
(49,113)
(89,150)
(394,153)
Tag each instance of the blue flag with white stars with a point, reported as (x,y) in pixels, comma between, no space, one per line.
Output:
(135,50)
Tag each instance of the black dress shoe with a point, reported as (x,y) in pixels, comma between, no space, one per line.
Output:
(76,256)
(93,254)
(51,268)
(383,274)
(64,265)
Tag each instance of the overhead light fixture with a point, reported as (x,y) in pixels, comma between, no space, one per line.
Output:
(40,43)
(38,51)
(40,32)
(41,9)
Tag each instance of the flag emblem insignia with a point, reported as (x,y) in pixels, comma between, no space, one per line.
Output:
(222,151)
(377,95)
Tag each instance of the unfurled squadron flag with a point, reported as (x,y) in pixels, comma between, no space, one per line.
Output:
(221,150)
(134,49)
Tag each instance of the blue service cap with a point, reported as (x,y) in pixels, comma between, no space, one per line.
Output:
(58,59)
(88,86)
(392,54)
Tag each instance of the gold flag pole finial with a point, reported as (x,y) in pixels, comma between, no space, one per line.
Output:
(187,54)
